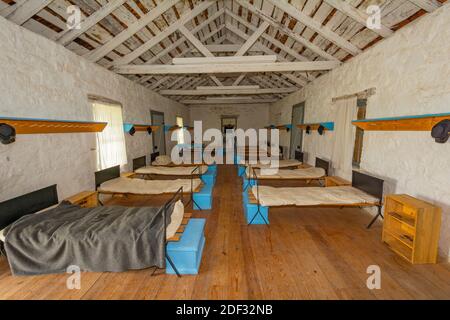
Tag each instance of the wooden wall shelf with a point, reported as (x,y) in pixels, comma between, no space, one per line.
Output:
(286,127)
(139,127)
(406,123)
(38,126)
(329,126)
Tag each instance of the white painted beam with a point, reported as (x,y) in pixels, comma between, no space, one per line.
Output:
(132,29)
(358,15)
(239,79)
(228,68)
(324,31)
(228,92)
(27,10)
(68,36)
(227,87)
(427,5)
(228,101)
(253,38)
(224,60)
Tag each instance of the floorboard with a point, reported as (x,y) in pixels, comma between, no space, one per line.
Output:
(317,253)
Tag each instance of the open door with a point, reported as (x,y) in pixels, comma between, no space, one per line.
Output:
(159,136)
(298,114)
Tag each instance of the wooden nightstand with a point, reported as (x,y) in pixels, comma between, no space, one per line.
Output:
(334,181)
(85,199)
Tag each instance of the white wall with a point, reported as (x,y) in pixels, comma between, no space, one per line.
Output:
(41,79)
(249,115)
(411,72)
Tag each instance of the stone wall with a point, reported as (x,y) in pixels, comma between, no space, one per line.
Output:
(411,73)
(41,79)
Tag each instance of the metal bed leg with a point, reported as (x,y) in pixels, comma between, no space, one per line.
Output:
(379,214)
(172,265)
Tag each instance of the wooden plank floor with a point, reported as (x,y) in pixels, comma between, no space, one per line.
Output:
(304,254)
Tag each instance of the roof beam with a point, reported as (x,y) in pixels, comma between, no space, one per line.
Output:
(232,91)
(358,15)
(69,35)
(27,10)
(194,31)
(239,79)
(225,60)
(186,17)
(10,9)
(228,68)
(324,31)
(100,52)
(229,101)
(427,5)
(253,38)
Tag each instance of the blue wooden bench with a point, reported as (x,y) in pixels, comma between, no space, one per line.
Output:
(185,250)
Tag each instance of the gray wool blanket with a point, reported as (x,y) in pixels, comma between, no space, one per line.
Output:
(98,239)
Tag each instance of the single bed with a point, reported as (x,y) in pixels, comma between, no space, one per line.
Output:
(41,237)
(166,173)
(109,181)
(365,191)
(167,162)
(288,177)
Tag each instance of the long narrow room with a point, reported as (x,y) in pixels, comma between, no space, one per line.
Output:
(224,150)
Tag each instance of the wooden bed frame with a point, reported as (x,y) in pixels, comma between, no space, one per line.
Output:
(142,162)
(114,172)
(154,155)
(320,163)
(364,182)
(14,209)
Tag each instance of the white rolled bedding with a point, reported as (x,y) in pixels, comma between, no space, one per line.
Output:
(300,173)
(147,187)
(171,171)
(311,196)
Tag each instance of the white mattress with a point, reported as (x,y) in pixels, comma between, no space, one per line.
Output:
(281,164)
(147,187)
(301,173)
(311,196)
(171,171)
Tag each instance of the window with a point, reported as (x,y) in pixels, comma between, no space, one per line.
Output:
(180,132)
(357,150)
(111,150)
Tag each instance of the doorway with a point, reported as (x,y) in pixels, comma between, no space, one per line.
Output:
(298,115)
(159,137)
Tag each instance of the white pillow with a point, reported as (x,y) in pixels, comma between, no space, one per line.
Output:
(176,219)
(162,160)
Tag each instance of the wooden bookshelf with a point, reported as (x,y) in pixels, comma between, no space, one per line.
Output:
(41,126)
(405,123)
(411,228)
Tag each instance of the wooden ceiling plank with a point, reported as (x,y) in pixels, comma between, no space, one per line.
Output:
(427,5)
(69,35)
(132,29)
(27,10)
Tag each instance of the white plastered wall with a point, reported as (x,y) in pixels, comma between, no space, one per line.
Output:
(411,73)
(40,79)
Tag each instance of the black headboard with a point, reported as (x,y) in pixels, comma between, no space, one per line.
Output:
(139,162)
(13,209)
(299,156)
(368,184)
(324,164)
(153,156)
(106,175)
